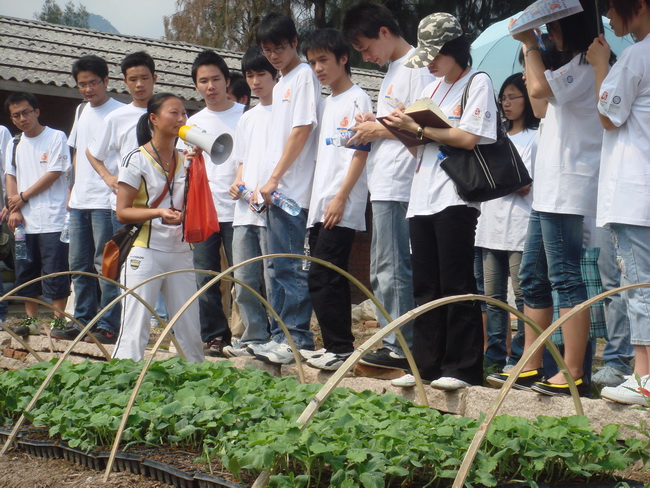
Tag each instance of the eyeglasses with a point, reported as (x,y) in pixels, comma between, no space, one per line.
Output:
(20,115)
(277,51)
(503,100)
(89,84)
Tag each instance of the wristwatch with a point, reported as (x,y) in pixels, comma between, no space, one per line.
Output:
(419,135)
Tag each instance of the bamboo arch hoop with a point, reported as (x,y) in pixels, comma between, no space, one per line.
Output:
(226,274)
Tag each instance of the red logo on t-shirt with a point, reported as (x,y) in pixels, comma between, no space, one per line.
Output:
(44,158)
(604,96)
(390,90)
(344,122)
(477,112)
(457,111)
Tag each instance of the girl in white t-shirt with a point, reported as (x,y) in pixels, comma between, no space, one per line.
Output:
(624,188)
(447,341)
(564,193)
(147,173)
(501,229)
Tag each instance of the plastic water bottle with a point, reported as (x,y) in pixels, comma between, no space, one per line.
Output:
(285,203)
(341,138)
(247,195)
(21,242)
(306,263)
(65,232)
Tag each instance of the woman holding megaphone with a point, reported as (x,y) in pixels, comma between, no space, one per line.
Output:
(151,185)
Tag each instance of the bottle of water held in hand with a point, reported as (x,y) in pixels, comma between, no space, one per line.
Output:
(341,138)
(247,195)
(21,242)
(65,233)
(285,203)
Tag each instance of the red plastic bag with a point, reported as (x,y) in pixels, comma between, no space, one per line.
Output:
(200,217)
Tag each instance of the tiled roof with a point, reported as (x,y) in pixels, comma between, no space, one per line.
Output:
(41,53)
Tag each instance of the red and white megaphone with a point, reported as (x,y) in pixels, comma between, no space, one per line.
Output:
(217,147)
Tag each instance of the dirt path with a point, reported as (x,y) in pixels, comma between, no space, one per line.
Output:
(19,470)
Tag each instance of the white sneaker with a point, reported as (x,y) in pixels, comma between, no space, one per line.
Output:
(328,361)
(447,383)
(280,354)
(406,381)
(236,352)
(608,376)
(308,353)
(630,392)
(261,347)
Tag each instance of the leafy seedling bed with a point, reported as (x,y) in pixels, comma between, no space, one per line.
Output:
(245,421)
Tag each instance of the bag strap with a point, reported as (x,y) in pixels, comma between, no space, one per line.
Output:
(501,132)
(13,154)
(168,182)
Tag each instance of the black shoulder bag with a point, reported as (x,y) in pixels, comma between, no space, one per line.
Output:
(488,171)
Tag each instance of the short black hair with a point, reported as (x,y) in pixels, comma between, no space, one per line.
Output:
(276,28)
(91,63)
(254,60)
(238,86)
(459,49)
(366,18)
(627,9)
(17,97)
(517,80)
(209,57)
(331,40)
(138,58)
(579,30)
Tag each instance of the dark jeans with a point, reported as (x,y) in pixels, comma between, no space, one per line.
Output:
(330,291)
(447,341)
(214,322)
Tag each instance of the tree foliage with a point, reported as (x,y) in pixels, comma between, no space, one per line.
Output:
(222,24)
(231,24)
(69,15)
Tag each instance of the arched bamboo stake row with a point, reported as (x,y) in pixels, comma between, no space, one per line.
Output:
(395,325)
(481,432)
(226,274)
(85,329)
(147,364)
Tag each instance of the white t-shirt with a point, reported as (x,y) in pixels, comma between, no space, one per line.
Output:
(568,157)
(140,170)
(503,221)
(390,164)
(295,103)
(432,190)
(36,156)
(624,186)
(5,148)
(222,175)
(254,125)
(333,163)
(89,190)
(116,138)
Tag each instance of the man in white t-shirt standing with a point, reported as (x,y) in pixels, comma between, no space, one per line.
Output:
(91,221)
(290,171)
(220,115)
(374,32)
(36,198)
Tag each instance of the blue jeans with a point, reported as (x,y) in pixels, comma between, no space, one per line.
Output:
(251,242)
(289,289)
(618,351)
(391,277)
(551,261)
(497,267)
(207,256)
(90,229)
(633,249)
